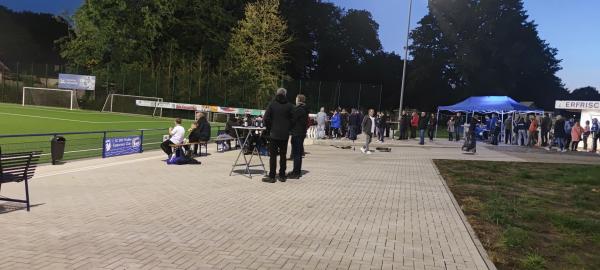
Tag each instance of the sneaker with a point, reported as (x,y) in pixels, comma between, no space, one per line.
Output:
(282,179)
(269,180)
(547,148)
(369,152)
(564,150)
(362,149)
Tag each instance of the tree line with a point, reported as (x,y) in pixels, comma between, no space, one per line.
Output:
(461,48)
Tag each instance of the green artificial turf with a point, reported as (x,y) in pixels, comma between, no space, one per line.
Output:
(16,119)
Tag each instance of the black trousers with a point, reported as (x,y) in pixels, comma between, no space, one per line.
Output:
(507,136)
(297,152)
(431,133)
(165,146)
(544,137)
(277,148)
(413,132)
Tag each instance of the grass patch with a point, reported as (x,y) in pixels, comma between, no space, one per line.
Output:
(531,215)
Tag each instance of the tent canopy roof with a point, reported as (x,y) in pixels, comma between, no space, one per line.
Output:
(488,104)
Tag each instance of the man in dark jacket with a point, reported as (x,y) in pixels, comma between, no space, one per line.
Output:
(353,124)
(422,125)
(278,121)
(458,126)
(200,132)
(299,120)
(546,125)
(368,128)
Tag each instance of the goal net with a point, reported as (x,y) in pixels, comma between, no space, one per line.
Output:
(49,97)
(127,104)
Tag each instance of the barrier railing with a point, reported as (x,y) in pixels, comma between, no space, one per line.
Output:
(78,144)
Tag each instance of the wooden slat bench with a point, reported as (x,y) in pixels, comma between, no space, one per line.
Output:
(18,167)
(201,144)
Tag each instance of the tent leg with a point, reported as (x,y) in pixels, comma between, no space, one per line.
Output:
(437,119)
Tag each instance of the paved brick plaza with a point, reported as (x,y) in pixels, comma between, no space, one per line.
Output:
(384,211)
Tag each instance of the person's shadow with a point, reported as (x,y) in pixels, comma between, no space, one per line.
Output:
(8,207)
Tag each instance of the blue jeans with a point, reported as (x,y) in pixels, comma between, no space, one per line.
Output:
(422,136)
(561,143)
(297,152)
(380,134)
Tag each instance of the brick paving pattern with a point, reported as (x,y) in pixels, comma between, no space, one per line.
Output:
(350,211)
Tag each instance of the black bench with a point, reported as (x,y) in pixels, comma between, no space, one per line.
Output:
(18,167)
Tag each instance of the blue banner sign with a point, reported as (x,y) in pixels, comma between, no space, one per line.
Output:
(119,146)
(77,82)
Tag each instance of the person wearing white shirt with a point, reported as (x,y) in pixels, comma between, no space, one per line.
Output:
(177,134)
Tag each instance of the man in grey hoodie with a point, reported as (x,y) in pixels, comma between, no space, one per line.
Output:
(321,119)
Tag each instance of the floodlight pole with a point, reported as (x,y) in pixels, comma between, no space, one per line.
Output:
(405,59)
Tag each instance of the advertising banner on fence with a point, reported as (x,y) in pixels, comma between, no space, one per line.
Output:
(195,107)
(119,146)
(77,82)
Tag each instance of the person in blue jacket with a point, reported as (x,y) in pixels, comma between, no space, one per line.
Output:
(336,124)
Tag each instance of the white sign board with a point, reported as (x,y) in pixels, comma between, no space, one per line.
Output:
(577,105)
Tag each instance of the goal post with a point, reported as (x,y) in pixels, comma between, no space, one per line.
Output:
(127,104)
(52,97)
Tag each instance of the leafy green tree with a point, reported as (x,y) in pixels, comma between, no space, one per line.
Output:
(117,32)
(256,49)
(585,93)
(484,48)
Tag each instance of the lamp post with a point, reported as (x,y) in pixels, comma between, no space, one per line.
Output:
(405,59)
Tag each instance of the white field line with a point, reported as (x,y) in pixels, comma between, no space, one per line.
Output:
(93,167)
(83,121)
(78,111)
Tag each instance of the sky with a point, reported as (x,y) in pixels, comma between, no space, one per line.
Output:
(571,26)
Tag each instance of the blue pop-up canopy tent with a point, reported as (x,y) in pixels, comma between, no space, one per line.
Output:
(489,104)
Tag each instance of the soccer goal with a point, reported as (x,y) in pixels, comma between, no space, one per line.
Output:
(127,104)
(52,97)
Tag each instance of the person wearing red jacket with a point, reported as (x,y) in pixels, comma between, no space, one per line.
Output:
(414,123)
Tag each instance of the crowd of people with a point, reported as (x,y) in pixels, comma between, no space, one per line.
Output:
(339,124)
(529,130)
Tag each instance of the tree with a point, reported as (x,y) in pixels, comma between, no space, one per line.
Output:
(28,37)
(256,49)
(490,48)
(585,93)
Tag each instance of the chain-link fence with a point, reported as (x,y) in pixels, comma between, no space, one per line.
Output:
(187,85)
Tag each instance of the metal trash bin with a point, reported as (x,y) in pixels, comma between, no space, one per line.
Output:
(57,148)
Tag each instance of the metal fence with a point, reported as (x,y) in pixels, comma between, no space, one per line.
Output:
(78,144)
(187,85)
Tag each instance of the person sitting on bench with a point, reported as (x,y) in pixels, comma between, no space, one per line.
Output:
(200,132)
(229,130)
(177,133)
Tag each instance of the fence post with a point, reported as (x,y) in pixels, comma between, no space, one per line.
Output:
(140,83)
(104,144)
(46,75)
(380,92)
(18,77)
(319,97)
(141,140)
